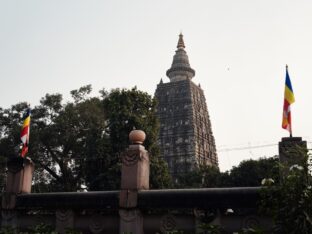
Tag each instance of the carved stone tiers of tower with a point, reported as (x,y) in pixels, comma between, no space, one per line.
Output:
(186,140)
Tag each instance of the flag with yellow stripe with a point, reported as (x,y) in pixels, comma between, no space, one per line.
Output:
(25,132)
(289,98)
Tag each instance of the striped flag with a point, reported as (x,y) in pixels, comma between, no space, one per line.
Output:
(25,133)
(289,98)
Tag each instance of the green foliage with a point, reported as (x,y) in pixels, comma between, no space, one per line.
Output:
(42,229)
(76,145)
(159,173)
(175,232)
(80,94)
(247,173)
(290,201)
(204,176)
(252,231)
(64,138)
(72,231)
(7,230)
(10,126)
(207,228)
(2,173)
(9,135)
(203,228)
(129,109)
(38,229)
(251,172)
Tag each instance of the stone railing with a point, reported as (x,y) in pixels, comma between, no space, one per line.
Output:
(134,209)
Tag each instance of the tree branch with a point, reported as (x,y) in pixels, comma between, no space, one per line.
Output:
(49,170)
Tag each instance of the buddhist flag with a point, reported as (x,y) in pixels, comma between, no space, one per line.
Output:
(289,98)
(25,132)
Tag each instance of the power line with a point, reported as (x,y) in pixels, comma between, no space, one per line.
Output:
(246,147)
(250,147)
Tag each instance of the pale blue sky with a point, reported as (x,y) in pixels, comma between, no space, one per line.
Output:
(238,48)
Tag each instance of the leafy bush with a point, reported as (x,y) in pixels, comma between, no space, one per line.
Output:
(290,201)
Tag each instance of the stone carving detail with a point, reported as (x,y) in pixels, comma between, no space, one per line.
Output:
(206,216)
(96,223)
(9,218)
(131,157)
(8,215)
(130,221)
(128,215)
(64,219)
(39,219)
(167,223)
(250,222)
(63,215)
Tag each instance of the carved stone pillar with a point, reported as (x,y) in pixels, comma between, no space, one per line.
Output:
(19,178)
(292,150)
(134,177)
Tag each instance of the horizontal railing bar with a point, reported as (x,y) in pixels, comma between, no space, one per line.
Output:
(244,197)
(65,200)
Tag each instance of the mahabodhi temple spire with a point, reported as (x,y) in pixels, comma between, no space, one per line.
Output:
(180,68)
(186,139)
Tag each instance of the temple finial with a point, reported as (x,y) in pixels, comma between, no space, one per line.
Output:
(180,42)
(180,67)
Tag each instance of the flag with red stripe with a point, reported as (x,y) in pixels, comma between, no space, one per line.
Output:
(25,132)
(289,98)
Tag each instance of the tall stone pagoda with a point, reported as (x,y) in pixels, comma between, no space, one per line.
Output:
(186,140)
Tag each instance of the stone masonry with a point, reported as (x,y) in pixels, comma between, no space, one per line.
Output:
(186,140)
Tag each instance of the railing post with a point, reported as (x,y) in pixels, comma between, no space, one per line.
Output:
(134,177)
(19,179)
(292,150)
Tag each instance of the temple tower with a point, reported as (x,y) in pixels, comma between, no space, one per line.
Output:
(186,140)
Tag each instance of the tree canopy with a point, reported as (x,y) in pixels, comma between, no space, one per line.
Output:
(247,173)
(129,109)
(76,145)
(2,173)
(251,172)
